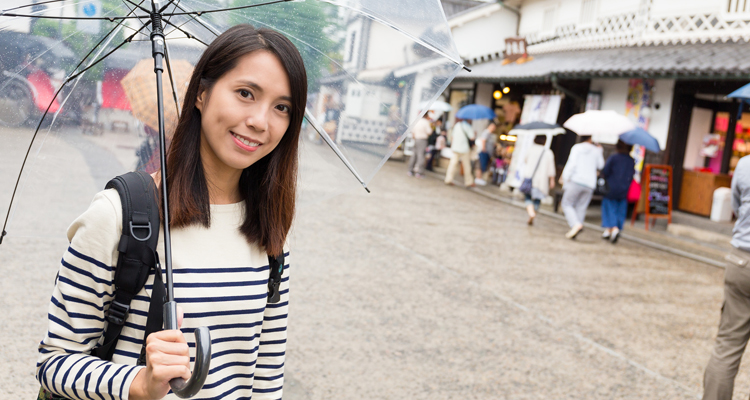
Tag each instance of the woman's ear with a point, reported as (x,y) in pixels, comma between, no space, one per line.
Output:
(199,99)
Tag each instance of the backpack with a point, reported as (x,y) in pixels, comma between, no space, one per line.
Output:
(138,256)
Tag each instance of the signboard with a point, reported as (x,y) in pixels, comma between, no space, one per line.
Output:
(657,194)
(515,51)
(90,9)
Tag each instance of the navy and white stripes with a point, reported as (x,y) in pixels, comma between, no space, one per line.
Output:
(220,282)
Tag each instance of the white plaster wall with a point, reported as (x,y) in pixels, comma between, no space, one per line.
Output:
(485,35)
(660,8)
(700,125)
(609,8)
(484,94)
(614,97)
(389,50)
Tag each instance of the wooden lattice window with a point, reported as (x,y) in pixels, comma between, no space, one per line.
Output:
(738,6)
(588,11)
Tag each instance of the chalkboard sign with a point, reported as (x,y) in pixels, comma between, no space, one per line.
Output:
(658,187)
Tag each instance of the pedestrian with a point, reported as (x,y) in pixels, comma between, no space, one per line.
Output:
(232,182)
(462,137)
(579,180)
(432,150)
(618,172)
(540,168)
(486,145)
(734,324)
(420,133)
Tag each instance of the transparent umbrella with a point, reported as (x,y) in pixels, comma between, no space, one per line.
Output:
(370,64)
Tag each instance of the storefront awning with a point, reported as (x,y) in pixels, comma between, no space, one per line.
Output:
(710,60)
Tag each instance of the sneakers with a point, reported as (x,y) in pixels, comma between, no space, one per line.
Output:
(480,182)
(410,173)
(573,232)
(615,235)
(606,235)
(419,176)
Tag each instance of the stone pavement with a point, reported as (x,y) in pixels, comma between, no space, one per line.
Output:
(423,291)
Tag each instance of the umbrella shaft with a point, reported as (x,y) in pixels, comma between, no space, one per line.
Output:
(157,43)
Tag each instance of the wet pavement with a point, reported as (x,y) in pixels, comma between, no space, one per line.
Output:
(423,291)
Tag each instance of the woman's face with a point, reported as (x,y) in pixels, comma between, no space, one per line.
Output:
(246,113)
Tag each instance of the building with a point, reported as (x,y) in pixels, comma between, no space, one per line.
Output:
(667,64)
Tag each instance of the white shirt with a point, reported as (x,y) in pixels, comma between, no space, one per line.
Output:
(583,163)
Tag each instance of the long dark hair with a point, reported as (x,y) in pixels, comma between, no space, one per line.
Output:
(268,187)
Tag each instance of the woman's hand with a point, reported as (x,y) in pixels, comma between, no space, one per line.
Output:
(167,357)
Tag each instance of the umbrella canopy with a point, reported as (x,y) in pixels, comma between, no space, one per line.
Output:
(599,122)
(640,137)
(741,93)
(475,111)
(537,128)
(141,91)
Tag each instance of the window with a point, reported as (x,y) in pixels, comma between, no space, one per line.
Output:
(738,6)
(350,47)
(548,22)
(588,11)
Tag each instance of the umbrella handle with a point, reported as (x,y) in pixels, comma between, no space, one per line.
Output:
(182,388)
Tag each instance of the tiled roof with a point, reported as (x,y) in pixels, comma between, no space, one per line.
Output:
(690,60)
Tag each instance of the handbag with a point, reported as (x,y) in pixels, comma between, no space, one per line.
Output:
(526,185)
(602,187)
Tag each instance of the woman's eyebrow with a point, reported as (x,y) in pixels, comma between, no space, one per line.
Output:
(260,89)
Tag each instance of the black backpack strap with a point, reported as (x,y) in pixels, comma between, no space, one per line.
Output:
(137,247)
(276,267)
(155,321)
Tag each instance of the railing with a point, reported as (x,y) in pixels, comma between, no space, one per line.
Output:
(639,28)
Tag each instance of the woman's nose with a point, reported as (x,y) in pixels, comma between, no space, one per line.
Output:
(258,119)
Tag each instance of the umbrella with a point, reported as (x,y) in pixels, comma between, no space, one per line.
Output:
(596,122)
(640,137)
(141,92)
(475,111)
(70,167)
(436,106)
(741,93)
(537,128)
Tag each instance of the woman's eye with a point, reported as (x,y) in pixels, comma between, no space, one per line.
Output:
(284,108)
(245,93)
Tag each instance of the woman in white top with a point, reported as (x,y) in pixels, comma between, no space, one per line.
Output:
(541,180)
(232,169)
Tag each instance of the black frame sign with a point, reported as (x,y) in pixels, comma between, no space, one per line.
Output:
(658,186)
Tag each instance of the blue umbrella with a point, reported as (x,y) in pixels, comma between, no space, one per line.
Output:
(640,137)
(741,93)
(475,111)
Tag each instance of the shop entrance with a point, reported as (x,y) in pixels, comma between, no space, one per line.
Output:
(708,135)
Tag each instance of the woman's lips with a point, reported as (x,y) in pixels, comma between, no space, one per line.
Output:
(244,143)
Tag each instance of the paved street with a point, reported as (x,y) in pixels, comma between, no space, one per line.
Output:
(423,291)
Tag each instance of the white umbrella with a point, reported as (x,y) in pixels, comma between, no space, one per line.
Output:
(435,106)
(596,122)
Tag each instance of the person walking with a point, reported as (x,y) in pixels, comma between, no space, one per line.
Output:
(432,150)
(618,171)
(461,136)
(734,324)
(579,180)
(420,133)
(540,168)
(486,144)
(232,187)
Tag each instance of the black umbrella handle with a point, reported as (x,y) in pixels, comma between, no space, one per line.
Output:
(182,388)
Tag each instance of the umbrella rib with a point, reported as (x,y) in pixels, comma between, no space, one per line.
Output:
(188,34)
(199,20)
(171,81)
(41,120)
(110,19)
(35,4)
(324,135)
(199,13)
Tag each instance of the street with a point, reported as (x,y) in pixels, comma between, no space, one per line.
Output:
(423,291)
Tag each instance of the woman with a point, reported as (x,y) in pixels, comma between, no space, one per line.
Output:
(540,168)
(461,137)
(232,171)
(618,171)
(579,180)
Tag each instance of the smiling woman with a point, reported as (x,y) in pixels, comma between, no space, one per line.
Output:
(231,173)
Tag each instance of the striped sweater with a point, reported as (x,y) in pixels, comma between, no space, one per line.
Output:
(220,282)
